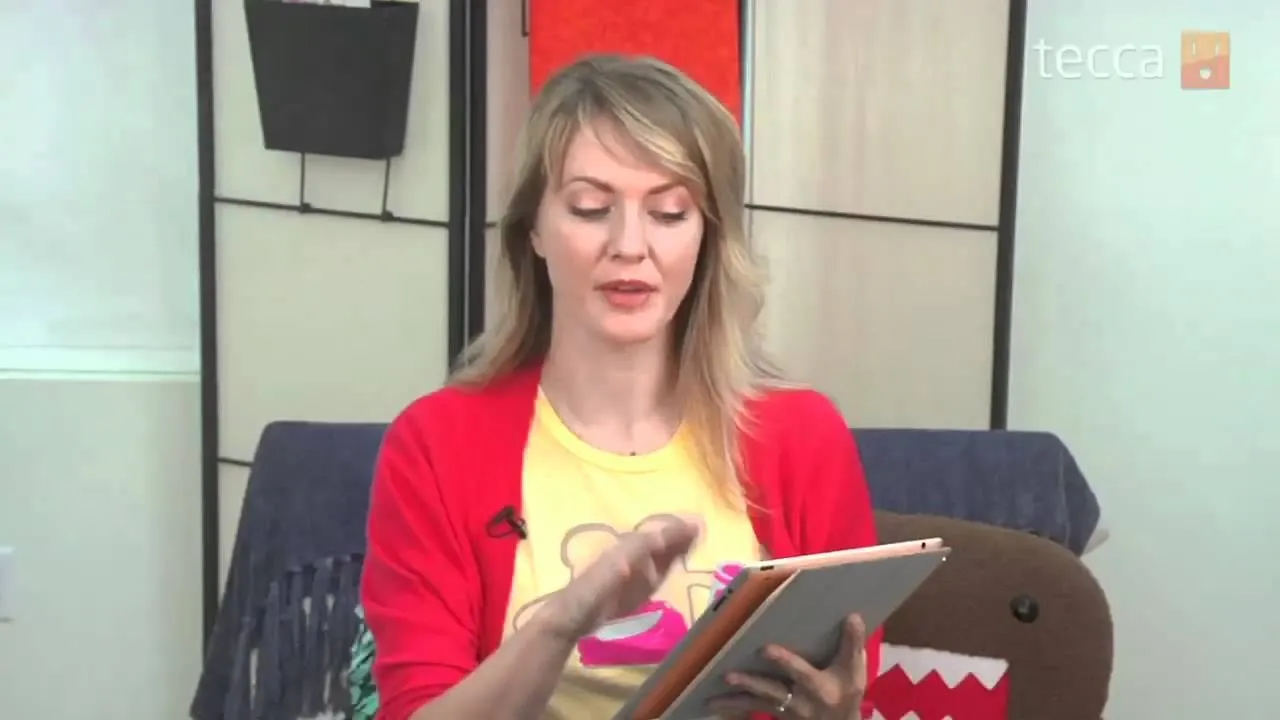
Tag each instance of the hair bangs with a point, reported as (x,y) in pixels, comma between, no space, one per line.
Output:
(627,123)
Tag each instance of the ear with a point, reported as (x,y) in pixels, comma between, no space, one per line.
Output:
(535,238)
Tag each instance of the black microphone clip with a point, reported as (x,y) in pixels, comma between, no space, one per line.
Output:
(507,523)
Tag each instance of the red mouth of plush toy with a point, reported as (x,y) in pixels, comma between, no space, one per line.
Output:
(927,684)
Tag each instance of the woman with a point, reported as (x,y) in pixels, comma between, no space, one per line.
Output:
(618,410)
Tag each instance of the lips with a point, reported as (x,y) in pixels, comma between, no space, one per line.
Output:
(928,684)
(633,286)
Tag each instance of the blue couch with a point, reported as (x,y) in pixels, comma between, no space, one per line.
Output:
(286,622)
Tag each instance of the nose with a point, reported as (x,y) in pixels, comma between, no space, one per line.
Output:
(627,240)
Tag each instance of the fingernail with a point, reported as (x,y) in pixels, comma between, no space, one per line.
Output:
(733,679)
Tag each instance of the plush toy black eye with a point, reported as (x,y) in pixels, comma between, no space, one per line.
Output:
(1025,609)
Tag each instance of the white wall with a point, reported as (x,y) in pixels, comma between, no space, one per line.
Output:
(97,187)
(1146,310)
(99,398)
(99,495)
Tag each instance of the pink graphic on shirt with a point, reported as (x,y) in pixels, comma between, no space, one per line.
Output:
(643,638)
(722,577)
(582,544)
(648,635)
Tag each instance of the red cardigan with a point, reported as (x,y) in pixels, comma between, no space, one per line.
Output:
(436,583)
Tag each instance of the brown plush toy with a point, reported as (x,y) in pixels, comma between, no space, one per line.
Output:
(1012,626)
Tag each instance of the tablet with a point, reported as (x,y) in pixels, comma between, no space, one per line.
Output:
(799,603)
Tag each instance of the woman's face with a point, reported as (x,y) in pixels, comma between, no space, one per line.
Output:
(620,239)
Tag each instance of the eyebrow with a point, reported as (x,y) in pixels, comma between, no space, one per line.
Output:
(603,186)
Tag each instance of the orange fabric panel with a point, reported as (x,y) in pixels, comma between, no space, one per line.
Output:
(701,37)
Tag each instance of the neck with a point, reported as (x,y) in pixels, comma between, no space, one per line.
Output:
(621,394)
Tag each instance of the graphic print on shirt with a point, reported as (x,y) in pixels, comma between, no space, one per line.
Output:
(645,636)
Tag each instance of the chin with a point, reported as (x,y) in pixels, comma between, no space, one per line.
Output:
(631,330)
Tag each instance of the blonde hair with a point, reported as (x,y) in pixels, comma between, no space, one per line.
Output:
(678,126)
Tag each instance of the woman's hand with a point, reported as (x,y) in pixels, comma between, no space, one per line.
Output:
(811,694)
(622,579)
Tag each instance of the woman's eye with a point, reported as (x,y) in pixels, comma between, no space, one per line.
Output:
(589,213)
(671,218)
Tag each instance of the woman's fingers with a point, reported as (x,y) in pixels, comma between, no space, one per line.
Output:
(852,657)
(648,555)
(770,693)
(675,539)
(627,574)
(653,551)
(772,690)
(804,676)
(739,706)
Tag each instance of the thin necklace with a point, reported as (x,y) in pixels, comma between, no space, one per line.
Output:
(562,417)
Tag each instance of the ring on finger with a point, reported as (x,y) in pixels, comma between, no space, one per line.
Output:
(785,705)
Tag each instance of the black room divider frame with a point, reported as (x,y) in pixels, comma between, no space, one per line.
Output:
(466,225)
(468,53)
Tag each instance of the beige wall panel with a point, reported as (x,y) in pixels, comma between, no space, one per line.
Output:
(508,99)
(323,318)
(233,483)
(879,107)
(893,321)
(419,181)
(242,168)
(420,177)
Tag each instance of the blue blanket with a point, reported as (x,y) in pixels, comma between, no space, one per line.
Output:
(1018,480)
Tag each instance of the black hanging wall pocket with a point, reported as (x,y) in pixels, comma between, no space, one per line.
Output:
(333,80)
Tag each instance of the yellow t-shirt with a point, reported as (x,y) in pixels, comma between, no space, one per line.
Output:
(577,500)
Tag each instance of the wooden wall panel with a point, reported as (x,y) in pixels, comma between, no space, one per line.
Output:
(880,107)
(876,130)
(893,321)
